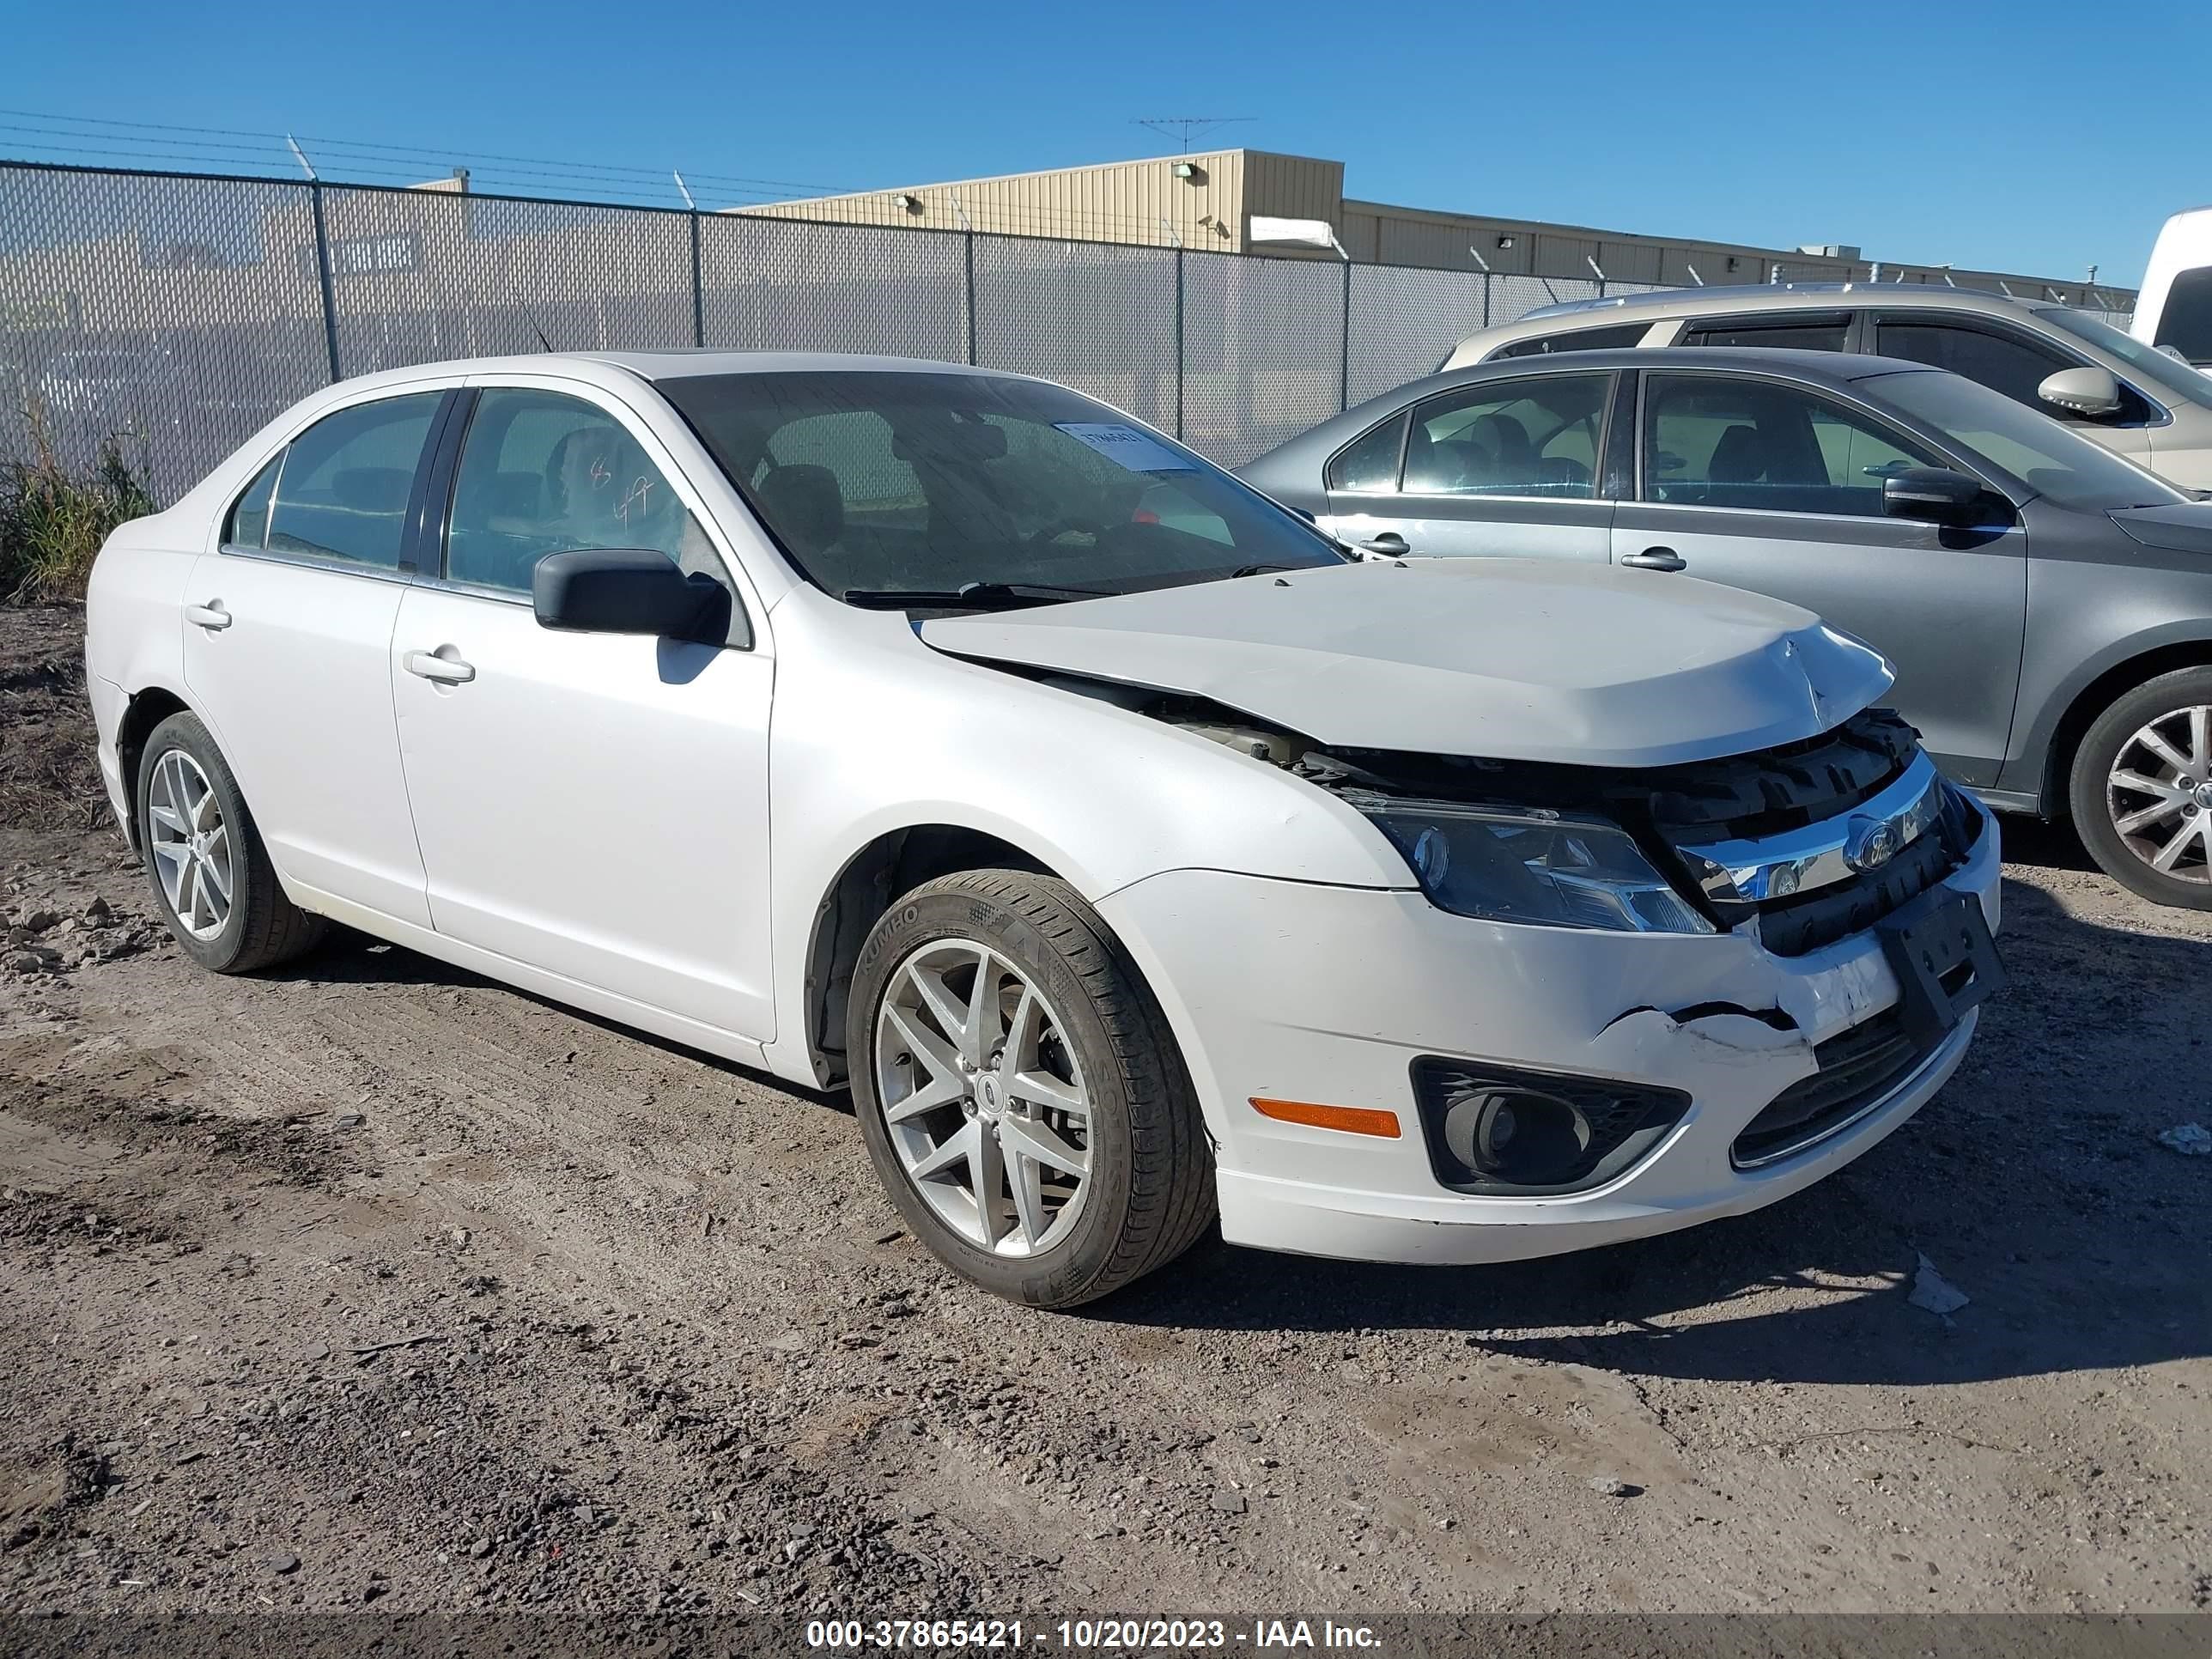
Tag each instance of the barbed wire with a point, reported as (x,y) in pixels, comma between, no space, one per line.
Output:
(271,149)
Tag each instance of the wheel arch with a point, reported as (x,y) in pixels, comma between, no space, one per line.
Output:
(2108,687)
(889,866)
(148,707)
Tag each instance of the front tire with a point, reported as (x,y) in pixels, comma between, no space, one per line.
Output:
(210,873)
(1022,1099)
(2141,791)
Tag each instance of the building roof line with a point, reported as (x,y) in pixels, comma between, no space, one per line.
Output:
(1042,172)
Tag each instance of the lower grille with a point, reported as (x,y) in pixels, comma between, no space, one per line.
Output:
(1857,1068)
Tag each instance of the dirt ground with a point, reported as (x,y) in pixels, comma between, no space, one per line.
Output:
(372,1282)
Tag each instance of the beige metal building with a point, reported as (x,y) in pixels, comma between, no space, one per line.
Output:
(1209,200)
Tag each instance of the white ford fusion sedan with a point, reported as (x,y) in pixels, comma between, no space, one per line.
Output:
(1131,852)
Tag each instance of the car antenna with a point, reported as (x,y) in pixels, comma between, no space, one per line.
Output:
(529,311)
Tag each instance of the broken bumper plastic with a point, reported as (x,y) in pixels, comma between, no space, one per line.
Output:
(1285,991)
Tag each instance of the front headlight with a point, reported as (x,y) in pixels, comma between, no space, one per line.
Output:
(1531,865)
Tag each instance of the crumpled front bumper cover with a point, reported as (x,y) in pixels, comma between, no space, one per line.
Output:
(1298,991)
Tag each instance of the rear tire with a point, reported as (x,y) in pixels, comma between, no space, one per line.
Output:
(2141,792)
(1064,1016)
(209,872)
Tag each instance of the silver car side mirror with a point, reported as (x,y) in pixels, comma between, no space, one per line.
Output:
(2087,390)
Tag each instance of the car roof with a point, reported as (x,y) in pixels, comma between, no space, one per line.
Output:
(682,361)
(1773,296)
(609,367)
(1832,367)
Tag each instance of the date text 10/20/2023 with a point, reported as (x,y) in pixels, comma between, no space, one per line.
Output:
(1085,1635)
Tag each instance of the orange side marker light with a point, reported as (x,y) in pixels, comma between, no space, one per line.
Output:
(1352,1120)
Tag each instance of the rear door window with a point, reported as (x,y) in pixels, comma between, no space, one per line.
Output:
(1786,330)
(1537,436)
(248,523)
(343,489)
(1369,464)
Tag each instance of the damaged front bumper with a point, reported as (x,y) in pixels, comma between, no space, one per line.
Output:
(1283,991)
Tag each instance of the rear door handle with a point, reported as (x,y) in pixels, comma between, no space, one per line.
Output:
(446,671)
(210,616)
(1656,558)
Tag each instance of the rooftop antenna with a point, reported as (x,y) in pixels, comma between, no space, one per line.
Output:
(683,190)
(1184,128)
(300,155)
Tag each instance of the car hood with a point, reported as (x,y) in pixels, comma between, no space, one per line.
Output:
(1505,659)
(2176,529)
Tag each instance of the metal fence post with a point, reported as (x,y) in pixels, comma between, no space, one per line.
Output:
(1178,431)
(322,270)
(1488,282)
(698,288)
(1344,356)
(968,253)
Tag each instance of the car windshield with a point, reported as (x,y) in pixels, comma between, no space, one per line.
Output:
(2038,451)
(892,483)
(2190,384)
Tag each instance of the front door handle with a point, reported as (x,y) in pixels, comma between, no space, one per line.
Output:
(210,616)
(446,671)
(1656,558)
(1389,542)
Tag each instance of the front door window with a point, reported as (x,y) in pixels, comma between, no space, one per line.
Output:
(1732,442)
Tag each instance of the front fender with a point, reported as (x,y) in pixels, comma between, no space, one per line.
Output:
(874,731)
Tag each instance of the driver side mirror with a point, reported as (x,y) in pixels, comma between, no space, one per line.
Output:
(2085,390)
(626,590)
(1934,494)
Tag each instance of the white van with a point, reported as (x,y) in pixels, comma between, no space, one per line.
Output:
(2175,309)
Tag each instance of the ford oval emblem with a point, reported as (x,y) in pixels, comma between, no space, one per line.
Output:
(1871,843)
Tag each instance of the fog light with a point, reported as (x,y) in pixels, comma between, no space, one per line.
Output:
(1510,1131)
(1518,1135)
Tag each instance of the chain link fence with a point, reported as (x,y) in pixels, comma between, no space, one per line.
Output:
(179,312)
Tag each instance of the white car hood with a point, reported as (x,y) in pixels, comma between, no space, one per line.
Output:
(1505,659)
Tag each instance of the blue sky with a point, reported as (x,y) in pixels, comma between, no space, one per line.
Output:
(2029,137)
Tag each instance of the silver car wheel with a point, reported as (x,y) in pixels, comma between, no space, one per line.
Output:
(983,1098)
(2159,794)
(190,844)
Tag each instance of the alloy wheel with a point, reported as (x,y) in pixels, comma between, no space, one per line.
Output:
(190,844)
(2159,794)
(983,1098)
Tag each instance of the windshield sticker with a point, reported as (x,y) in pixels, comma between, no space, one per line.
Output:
(1124,445)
